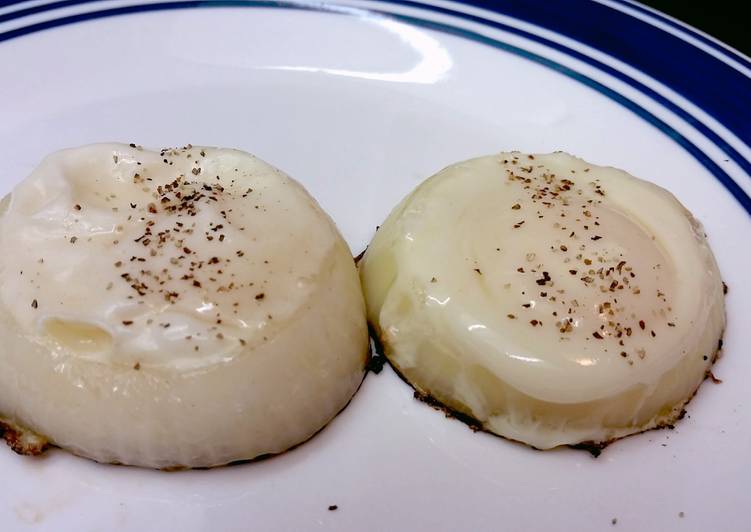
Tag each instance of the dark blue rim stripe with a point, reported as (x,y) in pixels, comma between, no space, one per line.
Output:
(33,10)
(647,91)
(723,177)
(731,54)
(709,133)
(715,87)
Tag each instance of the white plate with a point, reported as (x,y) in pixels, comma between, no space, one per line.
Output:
(360,101)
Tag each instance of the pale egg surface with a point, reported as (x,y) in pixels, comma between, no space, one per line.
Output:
(552,300)
(188,307)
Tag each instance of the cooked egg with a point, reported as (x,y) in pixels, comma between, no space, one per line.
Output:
(183,308)
(553,301)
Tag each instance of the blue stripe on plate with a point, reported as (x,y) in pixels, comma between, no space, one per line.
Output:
(12,2)
(682,113)
(715,87)
(721,175)
(729,53)
(744,163)
(34,9)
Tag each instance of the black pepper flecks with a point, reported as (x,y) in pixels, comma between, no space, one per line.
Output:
(170,263)
(581,240)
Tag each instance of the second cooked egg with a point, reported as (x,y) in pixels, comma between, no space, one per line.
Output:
(554,301)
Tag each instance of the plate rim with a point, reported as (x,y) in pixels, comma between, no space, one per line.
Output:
(465,11)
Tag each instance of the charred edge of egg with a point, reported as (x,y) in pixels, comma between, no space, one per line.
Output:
(453,406)
(378,357)
(595,448)
(22,440)
(360,255)
(26,442)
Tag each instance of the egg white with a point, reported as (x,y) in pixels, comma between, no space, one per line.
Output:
(554,301)
(183,308)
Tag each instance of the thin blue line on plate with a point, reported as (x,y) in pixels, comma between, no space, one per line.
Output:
(739,159)
(718,89)
(700,156)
